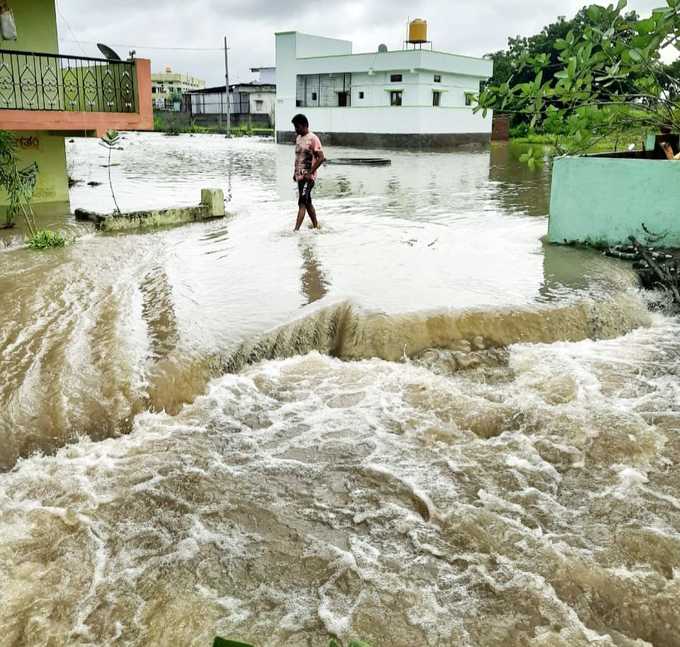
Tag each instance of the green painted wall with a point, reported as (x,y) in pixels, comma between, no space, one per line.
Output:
(50,154)
(36,22)
(37,32)
(603,201)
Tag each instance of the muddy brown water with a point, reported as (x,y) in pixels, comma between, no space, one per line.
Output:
(418,426)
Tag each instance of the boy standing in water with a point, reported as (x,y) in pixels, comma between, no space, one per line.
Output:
(308,157)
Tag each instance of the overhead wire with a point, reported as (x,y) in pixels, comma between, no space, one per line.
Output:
(61,15)
(172,49)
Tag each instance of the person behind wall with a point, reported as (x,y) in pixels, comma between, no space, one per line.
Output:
(309,157)
(668,150)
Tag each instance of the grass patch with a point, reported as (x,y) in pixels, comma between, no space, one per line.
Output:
(243,130)
(46,239)
(611,143)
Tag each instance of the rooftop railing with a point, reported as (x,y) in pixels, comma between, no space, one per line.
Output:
(38,81)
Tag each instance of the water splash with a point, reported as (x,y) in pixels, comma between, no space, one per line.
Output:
(310,496)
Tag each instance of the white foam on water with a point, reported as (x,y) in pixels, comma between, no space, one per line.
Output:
(310,497)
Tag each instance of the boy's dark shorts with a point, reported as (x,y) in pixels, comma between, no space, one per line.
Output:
(305,190)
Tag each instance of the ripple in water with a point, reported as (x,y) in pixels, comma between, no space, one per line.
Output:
(527,502)
(476,449)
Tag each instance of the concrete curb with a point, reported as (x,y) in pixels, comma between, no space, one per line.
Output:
(211,206)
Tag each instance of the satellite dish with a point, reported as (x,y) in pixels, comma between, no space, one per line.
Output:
(382,48)
(108,52)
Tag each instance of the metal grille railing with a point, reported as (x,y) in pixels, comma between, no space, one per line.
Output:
(37,81)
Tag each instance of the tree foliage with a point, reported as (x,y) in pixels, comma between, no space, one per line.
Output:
(19,183)
(597,74)
(509,64)
(671,80)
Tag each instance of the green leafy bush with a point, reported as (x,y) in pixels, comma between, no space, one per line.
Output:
(520,130)
(605,79)
(46,239)
(197,129)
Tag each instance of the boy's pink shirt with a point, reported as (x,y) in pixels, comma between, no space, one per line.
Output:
(305,148)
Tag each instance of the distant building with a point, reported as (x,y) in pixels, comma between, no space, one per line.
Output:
(409,97)
(266,75)
(167,87)
(251,102)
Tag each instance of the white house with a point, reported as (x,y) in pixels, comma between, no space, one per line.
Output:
(266,75)
(410,97)
(253,101)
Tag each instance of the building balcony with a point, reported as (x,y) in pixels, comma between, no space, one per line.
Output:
(71,94)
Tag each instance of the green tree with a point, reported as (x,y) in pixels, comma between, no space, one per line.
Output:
(607,77)
(671,79)
(510,61)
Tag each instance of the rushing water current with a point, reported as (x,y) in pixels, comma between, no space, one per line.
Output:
(419,425)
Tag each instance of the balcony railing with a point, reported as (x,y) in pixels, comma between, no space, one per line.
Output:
(37,81)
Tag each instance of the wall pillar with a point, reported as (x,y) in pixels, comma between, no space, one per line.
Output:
(49,152)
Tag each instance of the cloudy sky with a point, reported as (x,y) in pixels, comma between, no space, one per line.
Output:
(472,27)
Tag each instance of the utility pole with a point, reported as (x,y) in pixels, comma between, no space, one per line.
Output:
(226,78)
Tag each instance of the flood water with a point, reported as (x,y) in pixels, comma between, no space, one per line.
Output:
(420,425)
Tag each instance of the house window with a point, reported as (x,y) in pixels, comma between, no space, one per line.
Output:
(313,96)
(437,78)
(343,99)
(395,78)
(469,96)
(436,98)
(259,105)
(361,95)
(395,97)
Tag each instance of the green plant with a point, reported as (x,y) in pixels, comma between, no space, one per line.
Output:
(520,130)
(46,239)
(19,183)
(223,642)
(110,141)
(530,159)
(607,79)
(197,128)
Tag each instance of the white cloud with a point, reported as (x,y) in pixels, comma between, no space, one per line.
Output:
(466,27)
